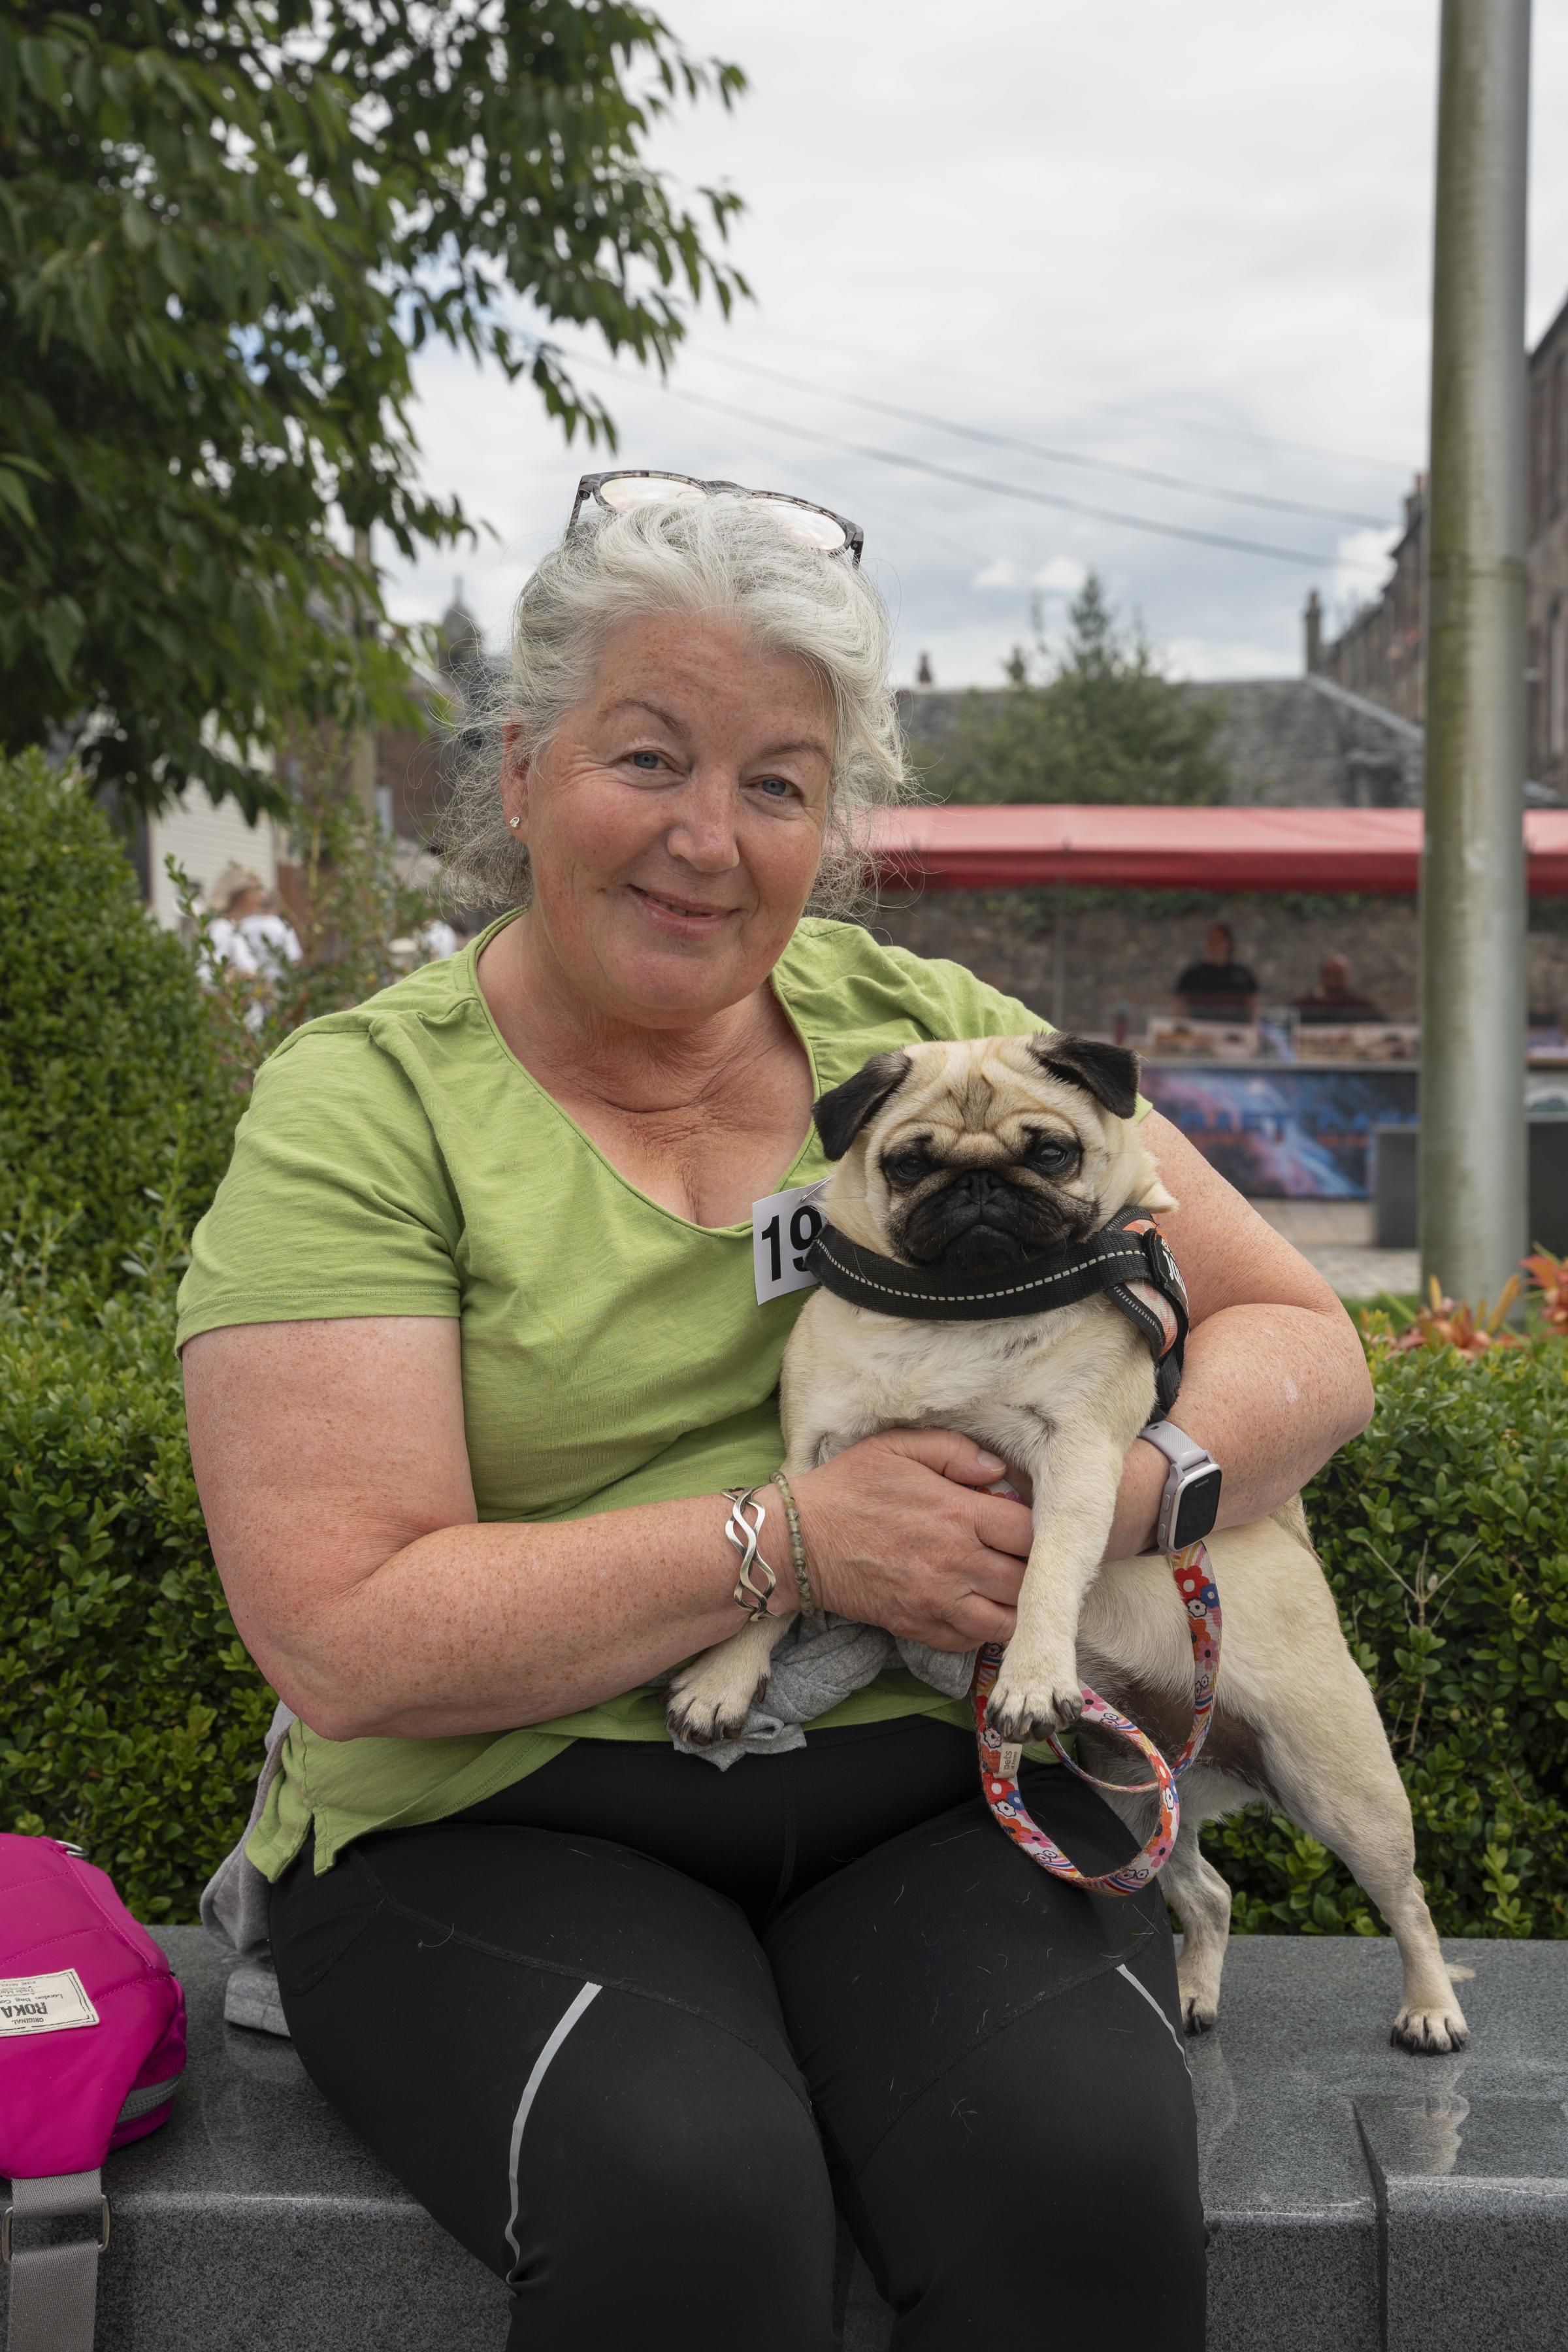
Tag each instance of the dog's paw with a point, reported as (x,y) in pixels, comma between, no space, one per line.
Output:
(1025,1706)
(1431,2032)
(703,1709)
(1199,2012)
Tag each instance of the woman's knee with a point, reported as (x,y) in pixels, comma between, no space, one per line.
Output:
(689,2169)
(595,2145)
(1034,2169)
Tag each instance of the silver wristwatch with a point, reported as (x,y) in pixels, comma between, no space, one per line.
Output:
(1190,1503)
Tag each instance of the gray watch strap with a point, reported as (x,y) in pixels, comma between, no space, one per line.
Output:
(1182,1452)
(53,2289)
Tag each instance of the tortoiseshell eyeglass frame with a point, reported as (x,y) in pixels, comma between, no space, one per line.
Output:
(592,486)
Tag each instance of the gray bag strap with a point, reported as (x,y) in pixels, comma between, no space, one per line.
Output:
(53,2289)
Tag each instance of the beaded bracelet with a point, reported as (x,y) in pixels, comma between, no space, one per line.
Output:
(796,1547)
(743,1534)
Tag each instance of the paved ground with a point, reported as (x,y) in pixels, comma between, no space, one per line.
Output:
(1363,1272)
(1337,1237)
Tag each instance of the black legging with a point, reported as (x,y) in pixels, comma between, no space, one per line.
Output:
(630,2027)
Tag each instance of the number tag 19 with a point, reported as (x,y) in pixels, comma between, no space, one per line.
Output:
(784,1227)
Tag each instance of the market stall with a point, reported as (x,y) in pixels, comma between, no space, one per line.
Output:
(1279,1111)
(1022,847)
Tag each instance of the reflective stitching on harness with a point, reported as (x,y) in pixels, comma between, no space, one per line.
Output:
(922,1298)
(529,2092)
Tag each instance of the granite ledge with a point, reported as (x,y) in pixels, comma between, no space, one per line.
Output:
(1360,2199)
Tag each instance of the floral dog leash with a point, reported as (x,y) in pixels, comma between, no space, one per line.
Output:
(1000,1763)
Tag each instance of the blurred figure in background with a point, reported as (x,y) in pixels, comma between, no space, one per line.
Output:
(439,940)
(1333,999)
(431,943)
(1217,988)
(247,934)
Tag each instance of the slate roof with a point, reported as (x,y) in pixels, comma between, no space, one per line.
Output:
(1290,745)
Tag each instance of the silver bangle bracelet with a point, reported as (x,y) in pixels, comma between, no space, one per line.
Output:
(749,1595)
(796,1547)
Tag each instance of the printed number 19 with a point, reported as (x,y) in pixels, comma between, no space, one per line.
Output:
(804,1225)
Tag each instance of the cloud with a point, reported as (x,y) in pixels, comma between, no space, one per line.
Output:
(1064,576)
(1195,241)
(1361,565)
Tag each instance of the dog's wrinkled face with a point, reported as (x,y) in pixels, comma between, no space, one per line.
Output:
(982,1154)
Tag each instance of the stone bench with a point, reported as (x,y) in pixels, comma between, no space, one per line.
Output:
(1359,2199)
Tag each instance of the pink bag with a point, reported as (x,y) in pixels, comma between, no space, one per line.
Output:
(92,2046)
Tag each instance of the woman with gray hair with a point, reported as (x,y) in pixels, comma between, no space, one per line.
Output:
(480,1335)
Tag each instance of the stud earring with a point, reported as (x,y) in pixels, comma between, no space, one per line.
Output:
(514,822)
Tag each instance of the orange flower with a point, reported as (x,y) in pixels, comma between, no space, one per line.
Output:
(1549,1276)
(1472,1330)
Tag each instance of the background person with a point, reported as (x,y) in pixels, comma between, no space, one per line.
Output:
(1333,999)
(437,938)
(1217,988)
(247,933)
(471,1350)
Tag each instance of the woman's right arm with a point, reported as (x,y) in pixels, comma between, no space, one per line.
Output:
(330,1462)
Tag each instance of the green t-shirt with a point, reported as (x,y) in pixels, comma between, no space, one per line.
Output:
(398,1159)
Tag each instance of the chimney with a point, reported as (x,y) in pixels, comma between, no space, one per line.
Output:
(1312,619)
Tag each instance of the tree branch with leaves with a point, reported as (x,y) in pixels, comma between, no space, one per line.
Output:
(225,228)
(1095,719)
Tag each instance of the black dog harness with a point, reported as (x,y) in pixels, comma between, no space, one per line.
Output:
(1129,1260)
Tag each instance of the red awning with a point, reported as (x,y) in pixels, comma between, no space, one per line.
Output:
(1374,851)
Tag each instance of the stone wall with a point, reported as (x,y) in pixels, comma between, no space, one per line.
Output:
(1128,952)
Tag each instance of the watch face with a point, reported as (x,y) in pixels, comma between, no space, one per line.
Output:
(1197,1507)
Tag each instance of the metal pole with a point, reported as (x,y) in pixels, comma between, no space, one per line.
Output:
(1472,1171)
(363,773)
(1059,956)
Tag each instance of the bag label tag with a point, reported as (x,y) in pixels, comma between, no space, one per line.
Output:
(44,2004)
(784,1228)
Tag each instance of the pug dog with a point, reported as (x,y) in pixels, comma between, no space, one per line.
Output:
(973,1158)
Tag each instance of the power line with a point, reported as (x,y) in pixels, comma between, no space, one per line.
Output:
(1053,457)
(1176,424)
(1317,560)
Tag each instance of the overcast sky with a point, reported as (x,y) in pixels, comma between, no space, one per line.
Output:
(1189,238)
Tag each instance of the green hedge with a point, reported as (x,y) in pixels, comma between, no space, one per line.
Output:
(134,1719)
(131,1717)
(1444,1530)
(114,1081)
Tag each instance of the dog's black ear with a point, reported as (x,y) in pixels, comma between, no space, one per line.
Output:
(843,1112)
(1109,1073)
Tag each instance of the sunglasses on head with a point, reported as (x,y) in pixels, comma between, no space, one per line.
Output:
(818,526)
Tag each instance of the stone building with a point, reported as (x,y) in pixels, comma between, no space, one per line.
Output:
(1380,653)
(403,778)
(409,760)
(1547,669)
(1301,743)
